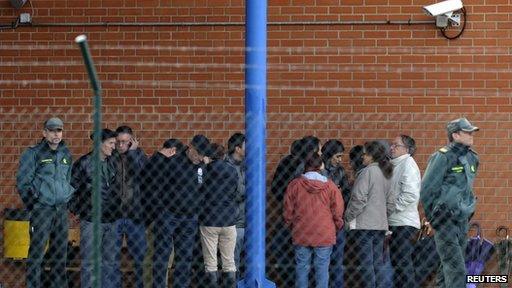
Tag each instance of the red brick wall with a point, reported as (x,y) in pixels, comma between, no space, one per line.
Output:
(373,81)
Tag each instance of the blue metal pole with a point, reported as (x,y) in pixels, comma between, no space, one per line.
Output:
(255,122)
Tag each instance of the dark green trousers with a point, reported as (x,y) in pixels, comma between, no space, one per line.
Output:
(48,224)
(451,240)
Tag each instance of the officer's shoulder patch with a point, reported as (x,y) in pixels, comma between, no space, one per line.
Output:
(443,149)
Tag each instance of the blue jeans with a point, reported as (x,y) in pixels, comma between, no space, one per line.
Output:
(181,230)
(370,252)
(48,223)
(337,269)
(321,260)
(137,246)
(108,246)
(240,234)
(401,249)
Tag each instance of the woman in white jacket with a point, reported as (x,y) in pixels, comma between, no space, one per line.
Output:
(404,222)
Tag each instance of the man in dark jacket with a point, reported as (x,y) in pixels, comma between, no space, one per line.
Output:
(154,182)
(236,156)
(448,200)
(43,181)
(129,159)
(292,166)
(82,205)
(177,222)
(153,185)
(218,218)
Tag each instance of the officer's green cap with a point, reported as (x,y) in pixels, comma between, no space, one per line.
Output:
(461,124)
(53,123)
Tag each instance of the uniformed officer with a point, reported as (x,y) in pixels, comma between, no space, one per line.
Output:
(43,181)
(449,202)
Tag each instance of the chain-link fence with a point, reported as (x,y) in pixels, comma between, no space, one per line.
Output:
(343,210)
(336,216)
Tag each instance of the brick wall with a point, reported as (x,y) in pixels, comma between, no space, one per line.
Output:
(350,82)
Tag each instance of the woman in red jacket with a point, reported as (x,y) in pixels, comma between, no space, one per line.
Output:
(313,209)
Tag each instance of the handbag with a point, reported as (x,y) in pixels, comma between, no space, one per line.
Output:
(425,257)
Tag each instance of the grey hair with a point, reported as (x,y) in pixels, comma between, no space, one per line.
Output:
(409,143)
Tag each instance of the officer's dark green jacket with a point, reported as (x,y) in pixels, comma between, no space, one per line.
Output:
(44,175)
(447,186)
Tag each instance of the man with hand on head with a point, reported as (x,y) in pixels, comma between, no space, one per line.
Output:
(129,159)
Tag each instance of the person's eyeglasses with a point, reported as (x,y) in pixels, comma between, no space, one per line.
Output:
(397,145)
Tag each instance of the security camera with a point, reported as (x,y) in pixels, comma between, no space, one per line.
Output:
(444,12)
(443,8)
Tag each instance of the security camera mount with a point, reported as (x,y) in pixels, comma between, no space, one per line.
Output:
(443,20)
(457,20)
(450,17)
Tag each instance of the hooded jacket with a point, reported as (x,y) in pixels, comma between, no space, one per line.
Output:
(313,209)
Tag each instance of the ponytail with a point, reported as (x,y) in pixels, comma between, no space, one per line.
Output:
(386,167)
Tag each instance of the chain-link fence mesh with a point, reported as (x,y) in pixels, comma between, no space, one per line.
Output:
(173,181)
(177,216)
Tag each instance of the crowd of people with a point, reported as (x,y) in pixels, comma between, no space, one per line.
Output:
(182,193)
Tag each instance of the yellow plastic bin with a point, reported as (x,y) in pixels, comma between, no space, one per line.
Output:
(16,235)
